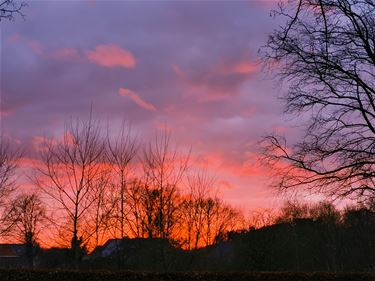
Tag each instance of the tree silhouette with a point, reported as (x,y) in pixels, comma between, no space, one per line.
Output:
(326,52)
(121,151)
(9,159)
(70,173)
(163,167)
(28,215)
(200,185)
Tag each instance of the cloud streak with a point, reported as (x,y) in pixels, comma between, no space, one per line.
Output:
(34,45)
(136,99)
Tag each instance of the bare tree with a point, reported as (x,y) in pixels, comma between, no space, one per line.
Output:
(260,218)
(205,219)
(10,8)
(122,150)
(325,211)
(28,217)
(227,219)
(8,165)
(201,186)
(163,168)
(144,210)
(137,209)
(293,210)
(99,218)
(70,171)
(326,53)
(219,219)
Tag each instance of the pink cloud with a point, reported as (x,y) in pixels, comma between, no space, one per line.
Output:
(111,55)
(136,98)
(31,43)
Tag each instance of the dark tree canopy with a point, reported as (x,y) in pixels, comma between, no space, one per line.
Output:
(326,53)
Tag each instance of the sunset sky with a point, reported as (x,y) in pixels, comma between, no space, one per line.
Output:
(191,67)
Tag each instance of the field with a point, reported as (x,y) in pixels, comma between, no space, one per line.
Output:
(41,275)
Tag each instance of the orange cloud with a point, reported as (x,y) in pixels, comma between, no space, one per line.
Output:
(111,55)
(136,98)
(32,44)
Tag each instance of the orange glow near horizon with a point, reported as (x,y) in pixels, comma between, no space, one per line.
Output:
(167,66)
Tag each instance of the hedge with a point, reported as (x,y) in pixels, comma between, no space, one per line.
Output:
(43,275)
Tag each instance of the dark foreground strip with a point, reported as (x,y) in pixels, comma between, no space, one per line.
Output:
(42,275)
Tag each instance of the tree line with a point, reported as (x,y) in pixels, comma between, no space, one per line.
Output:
(300,236)
(92,185)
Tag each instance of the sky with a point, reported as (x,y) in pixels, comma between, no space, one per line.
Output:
(190,67)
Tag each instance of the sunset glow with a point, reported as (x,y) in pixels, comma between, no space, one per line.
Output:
(192,70)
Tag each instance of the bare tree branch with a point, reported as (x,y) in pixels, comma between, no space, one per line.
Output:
(326,53)
(11,8)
